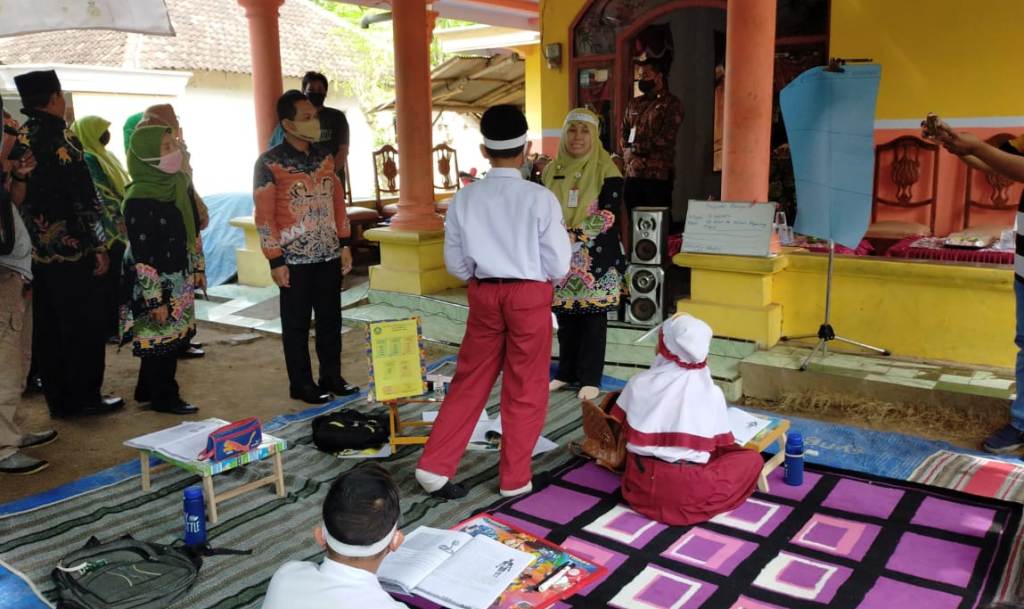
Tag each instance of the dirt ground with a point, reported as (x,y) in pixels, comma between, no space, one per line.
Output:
(235,381)
(231,382)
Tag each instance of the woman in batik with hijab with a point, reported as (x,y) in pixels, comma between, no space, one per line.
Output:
(163,264)
(110,179)
(164,115)
(683,465)
(589,187)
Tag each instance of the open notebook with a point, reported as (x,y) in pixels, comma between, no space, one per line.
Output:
(452,568)
(484,564)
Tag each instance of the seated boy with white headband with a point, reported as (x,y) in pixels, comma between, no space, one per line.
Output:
(359,528)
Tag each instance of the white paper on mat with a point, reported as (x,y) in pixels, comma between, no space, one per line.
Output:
(744,425)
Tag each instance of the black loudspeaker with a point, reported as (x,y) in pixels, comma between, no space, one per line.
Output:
(646,295)
(650,235)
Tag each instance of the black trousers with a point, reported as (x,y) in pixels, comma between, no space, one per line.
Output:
(315,288)
(69,333)
(157,382)
(581,346)
(644,192)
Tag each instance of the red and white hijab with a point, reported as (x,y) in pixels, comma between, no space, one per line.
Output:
(674,411)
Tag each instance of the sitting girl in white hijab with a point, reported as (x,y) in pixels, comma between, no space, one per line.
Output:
(682,464)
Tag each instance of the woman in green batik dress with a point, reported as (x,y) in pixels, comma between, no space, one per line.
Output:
(164,263)
(589,187)
(110,179)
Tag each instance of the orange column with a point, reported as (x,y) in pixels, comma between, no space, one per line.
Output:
(749,66)
(265,49)
(413,114)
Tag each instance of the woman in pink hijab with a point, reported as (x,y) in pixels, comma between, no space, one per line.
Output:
(683,465)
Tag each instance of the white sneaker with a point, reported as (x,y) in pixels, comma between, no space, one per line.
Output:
(516,492)
(588,392)
(556,384)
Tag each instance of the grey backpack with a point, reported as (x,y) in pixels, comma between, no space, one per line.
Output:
(124,574)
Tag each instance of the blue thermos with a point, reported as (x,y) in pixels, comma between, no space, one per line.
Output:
(794,475)
(195,517)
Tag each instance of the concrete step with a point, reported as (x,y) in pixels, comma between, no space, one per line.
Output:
(774,374)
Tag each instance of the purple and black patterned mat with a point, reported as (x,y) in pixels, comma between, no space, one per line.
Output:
(842,540)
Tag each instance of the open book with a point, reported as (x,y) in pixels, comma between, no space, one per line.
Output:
(452,568)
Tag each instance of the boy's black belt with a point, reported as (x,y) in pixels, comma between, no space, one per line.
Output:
(500,280)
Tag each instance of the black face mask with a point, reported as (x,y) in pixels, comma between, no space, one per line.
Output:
(317,99)
(105,138)
(647,86)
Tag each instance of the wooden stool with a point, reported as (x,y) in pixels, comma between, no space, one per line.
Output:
(397,425)
(271,447)
(776,432)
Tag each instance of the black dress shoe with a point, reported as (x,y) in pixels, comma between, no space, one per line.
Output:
(142,396)
(196,345)
(113,401)
(310,395)
(192,352)
(339,387)
(179,407)
(88,410)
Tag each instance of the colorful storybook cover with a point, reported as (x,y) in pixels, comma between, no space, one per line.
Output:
(554,573)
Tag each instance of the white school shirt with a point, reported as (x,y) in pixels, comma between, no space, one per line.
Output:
(328,585)
(506,227)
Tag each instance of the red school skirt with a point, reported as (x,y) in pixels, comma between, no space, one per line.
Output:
(685,493)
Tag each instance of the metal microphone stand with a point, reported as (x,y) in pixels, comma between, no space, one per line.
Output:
(825,332)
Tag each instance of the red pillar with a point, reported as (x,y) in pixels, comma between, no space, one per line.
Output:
(265,49)
(749,66)
(416,210)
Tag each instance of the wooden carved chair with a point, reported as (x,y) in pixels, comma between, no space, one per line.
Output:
(446,174)
(385,178)
(906,178)
(992,192)
(360,218)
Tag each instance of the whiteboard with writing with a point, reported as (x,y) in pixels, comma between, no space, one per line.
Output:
(725,227)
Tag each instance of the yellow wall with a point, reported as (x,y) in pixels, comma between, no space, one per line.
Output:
(915,309)
(556,18)
(953,57)
(928,64)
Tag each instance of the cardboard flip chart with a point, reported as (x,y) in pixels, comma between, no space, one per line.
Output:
(397,367)
(725,227)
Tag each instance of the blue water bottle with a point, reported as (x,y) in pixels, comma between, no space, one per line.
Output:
(794,475)
(195,517)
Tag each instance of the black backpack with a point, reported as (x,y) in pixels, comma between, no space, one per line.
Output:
(125,574)
(348,429)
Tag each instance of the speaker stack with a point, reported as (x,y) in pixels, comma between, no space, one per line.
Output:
(645,276)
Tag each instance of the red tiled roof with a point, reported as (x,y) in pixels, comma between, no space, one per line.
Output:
(211,35)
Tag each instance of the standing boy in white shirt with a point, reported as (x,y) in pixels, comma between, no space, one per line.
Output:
(360,528)
(505,236)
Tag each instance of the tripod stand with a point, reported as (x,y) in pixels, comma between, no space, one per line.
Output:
(825,332)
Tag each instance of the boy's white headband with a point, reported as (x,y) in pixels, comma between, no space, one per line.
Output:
(344,549)
(515,142)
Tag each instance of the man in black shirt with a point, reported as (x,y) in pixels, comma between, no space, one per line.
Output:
(333,124)
(62,215)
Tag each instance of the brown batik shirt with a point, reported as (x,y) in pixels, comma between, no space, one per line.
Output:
(656,119)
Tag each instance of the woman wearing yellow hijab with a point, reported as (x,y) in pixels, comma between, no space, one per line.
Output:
(110,179)
(589,186)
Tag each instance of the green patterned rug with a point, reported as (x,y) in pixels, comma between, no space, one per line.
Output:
(276,529)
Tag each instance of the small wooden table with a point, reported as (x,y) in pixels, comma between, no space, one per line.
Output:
(776,432)
(271,447)
(397,425)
